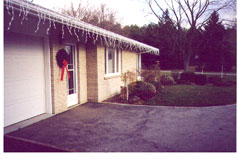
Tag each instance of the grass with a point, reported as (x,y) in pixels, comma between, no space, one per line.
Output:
(194,95)
(191,95)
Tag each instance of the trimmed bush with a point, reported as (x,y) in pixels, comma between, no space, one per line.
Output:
(200,79)
(188,76)
(166,80)
(143,90)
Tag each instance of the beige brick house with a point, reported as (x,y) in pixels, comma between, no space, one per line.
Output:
(33,36)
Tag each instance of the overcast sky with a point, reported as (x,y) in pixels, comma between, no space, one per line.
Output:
(128,11)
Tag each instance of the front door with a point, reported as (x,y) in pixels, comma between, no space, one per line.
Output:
(72,81)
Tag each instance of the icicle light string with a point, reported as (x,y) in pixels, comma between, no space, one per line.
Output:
(25,7)
(69,28)
(47,32)
(110,41)
(62,29)
(23,14)
(76,34)
(93,33)
(41,16)
(27,10)
(38,24)
(105,39)
(44,18)
(92,36)
(20,10)
(82,32)
(8,7)
(130,47)
(94,41)
(86,36)
(54,22)
(96,37)
(10,23)
(101,40)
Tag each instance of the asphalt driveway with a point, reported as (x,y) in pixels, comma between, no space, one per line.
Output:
(99,127)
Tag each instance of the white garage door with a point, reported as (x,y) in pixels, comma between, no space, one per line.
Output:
(24,78)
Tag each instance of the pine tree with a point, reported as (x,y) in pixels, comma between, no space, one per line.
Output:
(213,55)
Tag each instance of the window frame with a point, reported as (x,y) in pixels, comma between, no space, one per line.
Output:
(74,69)
(117,65)
(139,68)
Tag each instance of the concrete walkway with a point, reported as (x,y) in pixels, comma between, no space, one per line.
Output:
(95,127)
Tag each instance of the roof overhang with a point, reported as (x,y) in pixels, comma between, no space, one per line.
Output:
(109,38)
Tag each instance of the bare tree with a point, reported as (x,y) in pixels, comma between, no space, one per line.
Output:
(188,14)
(101,16)
(80,12)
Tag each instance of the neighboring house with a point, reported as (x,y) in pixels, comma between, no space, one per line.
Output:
(32,79)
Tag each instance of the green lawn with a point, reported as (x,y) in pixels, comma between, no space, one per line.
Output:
(194,95)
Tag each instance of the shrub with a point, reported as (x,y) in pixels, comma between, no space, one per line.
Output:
(215,80)
(148,75)
(175,76)
(143,90)
(229,83)
(200,79)
(166,80)
(183,82)
(135,100)
(187,76)
(152,74)
(157,85)
(198,69)
(128,77)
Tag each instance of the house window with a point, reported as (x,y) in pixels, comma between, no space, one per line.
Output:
(112,61)
(139,64)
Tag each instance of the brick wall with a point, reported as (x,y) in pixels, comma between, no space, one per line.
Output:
(82,74)
(129,61)
(60,88)
(92,73)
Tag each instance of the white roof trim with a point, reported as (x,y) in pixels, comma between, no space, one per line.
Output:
(75,23)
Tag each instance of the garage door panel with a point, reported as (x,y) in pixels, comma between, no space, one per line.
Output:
(24,77)
(26,109)
(17,92)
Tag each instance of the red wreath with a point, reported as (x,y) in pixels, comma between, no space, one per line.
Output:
(62,58)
